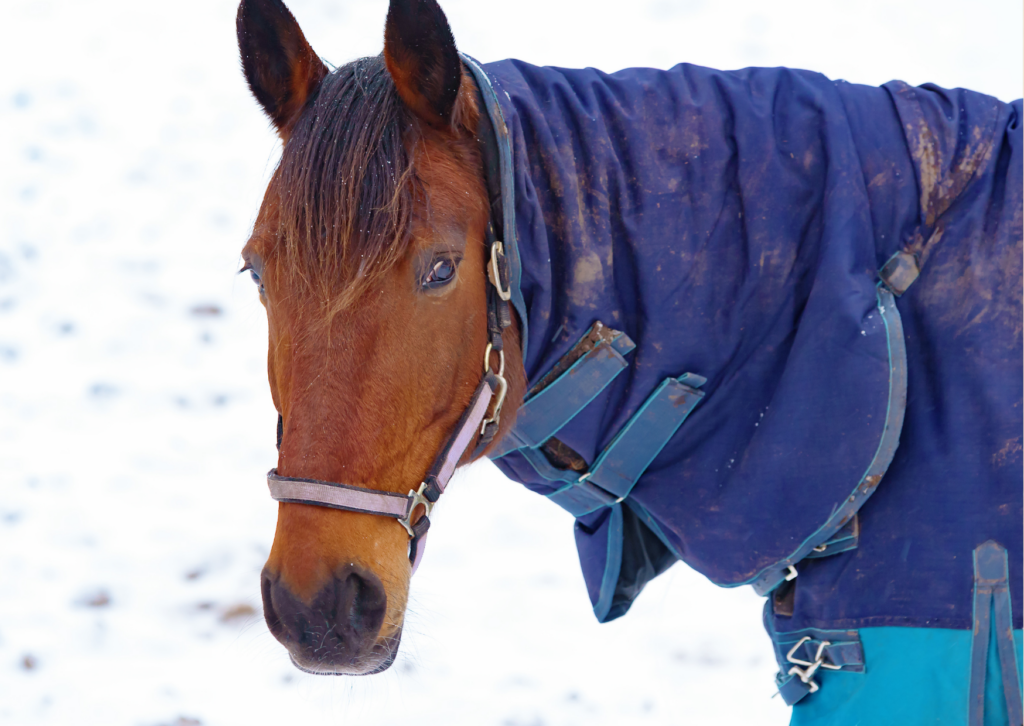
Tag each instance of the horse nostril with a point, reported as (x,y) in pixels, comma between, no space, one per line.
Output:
(269,613)
(362,602)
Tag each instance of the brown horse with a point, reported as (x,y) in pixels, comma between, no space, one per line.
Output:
(748,239)
(369,255)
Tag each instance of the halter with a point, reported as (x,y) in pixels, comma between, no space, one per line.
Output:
(472,424)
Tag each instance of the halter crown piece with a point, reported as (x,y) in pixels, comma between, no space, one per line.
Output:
(493,386)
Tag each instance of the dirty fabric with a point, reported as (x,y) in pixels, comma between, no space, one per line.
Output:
(732,224)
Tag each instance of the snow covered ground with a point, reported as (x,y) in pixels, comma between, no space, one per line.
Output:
(135,420)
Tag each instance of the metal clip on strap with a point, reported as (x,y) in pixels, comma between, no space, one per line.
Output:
(799,680)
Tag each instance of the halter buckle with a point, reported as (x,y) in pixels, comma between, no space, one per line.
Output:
(416,498)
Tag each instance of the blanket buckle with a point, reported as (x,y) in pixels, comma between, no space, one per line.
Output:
(806,674)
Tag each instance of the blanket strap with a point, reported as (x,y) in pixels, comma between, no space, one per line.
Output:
(564,391)
(992,598)
(618,468)
(786,570)
(586,370)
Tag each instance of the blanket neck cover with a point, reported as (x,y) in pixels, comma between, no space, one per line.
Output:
(785,412)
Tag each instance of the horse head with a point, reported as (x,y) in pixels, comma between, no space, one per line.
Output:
(369,256)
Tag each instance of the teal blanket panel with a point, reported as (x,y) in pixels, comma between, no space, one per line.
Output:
(914,676)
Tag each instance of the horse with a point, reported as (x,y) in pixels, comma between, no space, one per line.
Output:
(758,321)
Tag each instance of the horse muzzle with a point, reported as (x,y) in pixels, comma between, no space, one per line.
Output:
(338,631)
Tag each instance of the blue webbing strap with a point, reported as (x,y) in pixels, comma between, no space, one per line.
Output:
(620,465)
(541,416)
(992,596)
(783,570)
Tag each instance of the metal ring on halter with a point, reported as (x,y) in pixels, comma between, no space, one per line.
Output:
(502,384)
(498,249)
(416,498)
(487,361)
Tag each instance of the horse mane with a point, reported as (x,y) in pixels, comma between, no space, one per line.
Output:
(346,186)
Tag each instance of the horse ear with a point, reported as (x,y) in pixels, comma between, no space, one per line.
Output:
(420,54)
(280,66)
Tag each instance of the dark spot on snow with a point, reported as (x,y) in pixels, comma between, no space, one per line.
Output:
(103,390)
(34,153)
(29,662)
(6,267)
(98,599)
(709,659)
(8,354)
(66,328)
(195,574)
(22,99)
(206,337)
(207,310)
(184,721)
(205,605)
(238,613)
(12,517)
(220,400)
(137,176)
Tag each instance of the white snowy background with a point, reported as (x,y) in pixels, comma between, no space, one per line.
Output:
(135,420)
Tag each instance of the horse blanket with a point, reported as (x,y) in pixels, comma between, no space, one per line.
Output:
(772,328)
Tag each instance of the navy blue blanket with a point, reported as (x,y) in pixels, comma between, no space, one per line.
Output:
(732,226)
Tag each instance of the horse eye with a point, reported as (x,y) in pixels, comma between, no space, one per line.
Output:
(441,273)
(255,277)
